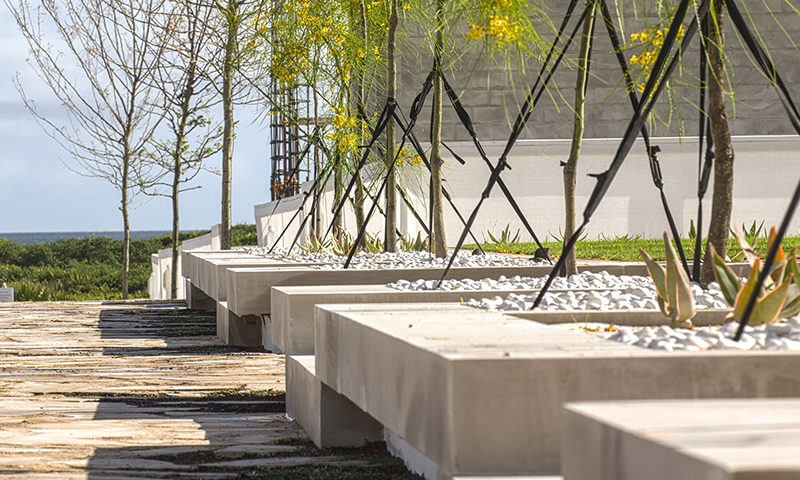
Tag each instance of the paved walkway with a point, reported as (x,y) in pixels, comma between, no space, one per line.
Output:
(124,390)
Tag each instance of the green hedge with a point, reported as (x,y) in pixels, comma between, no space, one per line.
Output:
(87,268)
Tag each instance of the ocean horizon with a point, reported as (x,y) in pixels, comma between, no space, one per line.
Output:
(28,238)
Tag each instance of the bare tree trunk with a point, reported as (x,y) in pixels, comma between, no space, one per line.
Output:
(227,108)
(173,291)
(176,185)
(390,245)
(571,168)
(110,110)
(126,226)
(722,200)
(440,242)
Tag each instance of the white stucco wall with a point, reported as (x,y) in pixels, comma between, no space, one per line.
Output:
(766,171)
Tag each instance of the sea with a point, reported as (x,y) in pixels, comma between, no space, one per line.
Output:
(27,238)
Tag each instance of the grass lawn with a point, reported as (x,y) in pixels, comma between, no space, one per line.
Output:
(627,248)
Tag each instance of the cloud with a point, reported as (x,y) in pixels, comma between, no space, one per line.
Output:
(39,193)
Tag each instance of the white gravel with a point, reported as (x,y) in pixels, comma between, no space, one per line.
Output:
(585,291)
(585,280)
(783,335)
(363,260)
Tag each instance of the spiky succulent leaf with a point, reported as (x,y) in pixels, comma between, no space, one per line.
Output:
(675,297)
(776,274)
(662,305)
(728,281)
(792,306)
(419,243)
(772,303)
(656,272)
(669,250)
(745,292)
(791,265)
(749,253)
(683,302)
(672,291)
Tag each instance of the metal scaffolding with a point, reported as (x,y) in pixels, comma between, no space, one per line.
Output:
(290,129)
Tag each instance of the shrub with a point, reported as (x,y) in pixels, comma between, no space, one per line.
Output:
(86,268)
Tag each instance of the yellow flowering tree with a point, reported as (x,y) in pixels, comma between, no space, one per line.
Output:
(333,48)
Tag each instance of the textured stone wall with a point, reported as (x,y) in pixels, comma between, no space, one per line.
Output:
(492,95)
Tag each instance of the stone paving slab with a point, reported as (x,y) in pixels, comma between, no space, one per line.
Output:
(132,390)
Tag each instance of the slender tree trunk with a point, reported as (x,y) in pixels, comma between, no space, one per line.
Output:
(440,242)
(320,193)
(126,226)
(227,134)
(173,290)
(722,199)
(571,168)
(360,194)
(390,245)
(338,190)
(358,202)
(176,183)
(177,157)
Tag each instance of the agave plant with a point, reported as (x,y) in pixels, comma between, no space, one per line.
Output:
(750,235)
(780,295)
(407,244)
(505,236)
(673,288)
(374,243)
(342,243)
(314,245)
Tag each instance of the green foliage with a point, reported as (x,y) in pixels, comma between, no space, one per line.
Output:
(617,249)
(314,245)
(342,243)
(505,236)
(673,288)
(30,292)
(244,234)
(82,268)
(753,233)
(407,244)
(374,243)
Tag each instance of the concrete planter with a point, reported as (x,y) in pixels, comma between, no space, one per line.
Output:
(292,317)
(480,393)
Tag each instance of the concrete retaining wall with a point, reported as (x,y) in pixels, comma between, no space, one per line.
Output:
(159,283)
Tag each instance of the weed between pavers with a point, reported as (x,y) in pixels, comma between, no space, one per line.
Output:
(262,401)
(389,470)
(241,393)
(371,461)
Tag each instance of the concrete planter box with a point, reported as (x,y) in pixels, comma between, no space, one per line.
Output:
(206,271)
(700,440)
(292,317)
(481,393)
(249,289)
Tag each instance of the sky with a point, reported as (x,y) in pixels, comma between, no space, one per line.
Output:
(39,193)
